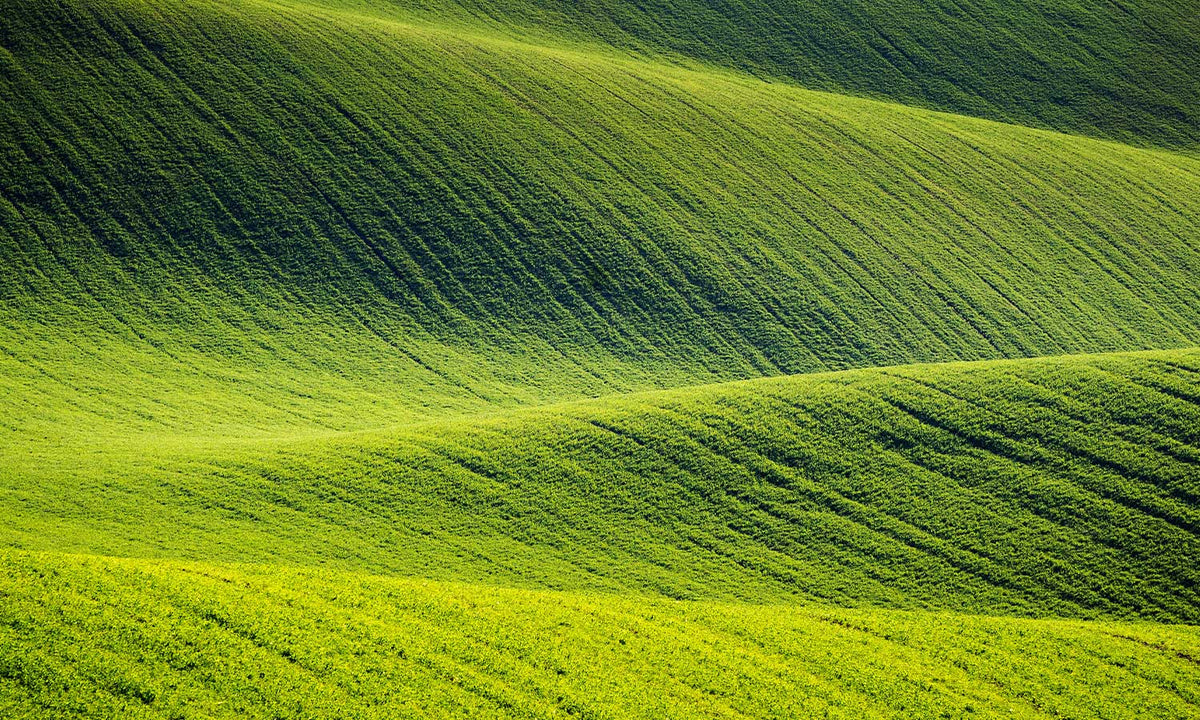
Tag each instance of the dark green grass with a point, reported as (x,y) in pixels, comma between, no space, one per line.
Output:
(1037,487)
(99,638)
(1123,70)
(259,216)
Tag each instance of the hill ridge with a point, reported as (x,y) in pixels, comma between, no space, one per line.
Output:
(1092,75)
(1055,486)
(335,244)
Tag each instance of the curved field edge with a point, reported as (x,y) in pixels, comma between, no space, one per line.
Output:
(1056,486)
(260,218)
(100,637)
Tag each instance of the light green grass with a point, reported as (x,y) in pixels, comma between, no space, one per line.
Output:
(1036,487)
(97,638)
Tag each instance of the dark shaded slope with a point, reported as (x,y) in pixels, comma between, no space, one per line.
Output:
(265,216)
(1123,70)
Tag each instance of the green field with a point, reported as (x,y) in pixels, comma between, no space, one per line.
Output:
(1119,70)
(1036,487)
(99,638)
(1048,488)
(604,359)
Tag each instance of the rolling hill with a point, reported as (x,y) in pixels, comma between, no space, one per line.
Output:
(1122,70)
(603,359)
(1062,487)
(316,213)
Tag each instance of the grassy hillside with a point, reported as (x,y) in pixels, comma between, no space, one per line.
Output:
(1124,70)
(1057,486)
(261,216)
(509,304)
(99,638)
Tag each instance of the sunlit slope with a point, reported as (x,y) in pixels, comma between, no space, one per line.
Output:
(1057,486)
(258,216)
(1121,70)
(98,638)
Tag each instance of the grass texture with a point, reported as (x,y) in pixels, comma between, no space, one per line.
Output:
(532,359)
(260,216)
(1036,487)
(1119,70)
(102,638)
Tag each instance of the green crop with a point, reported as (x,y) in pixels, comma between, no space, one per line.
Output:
(1036,487)
(519,358)
(1125,71)
(262,217)
(98,638)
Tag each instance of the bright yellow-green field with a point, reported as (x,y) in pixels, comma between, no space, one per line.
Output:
(521,359)
(138,638)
